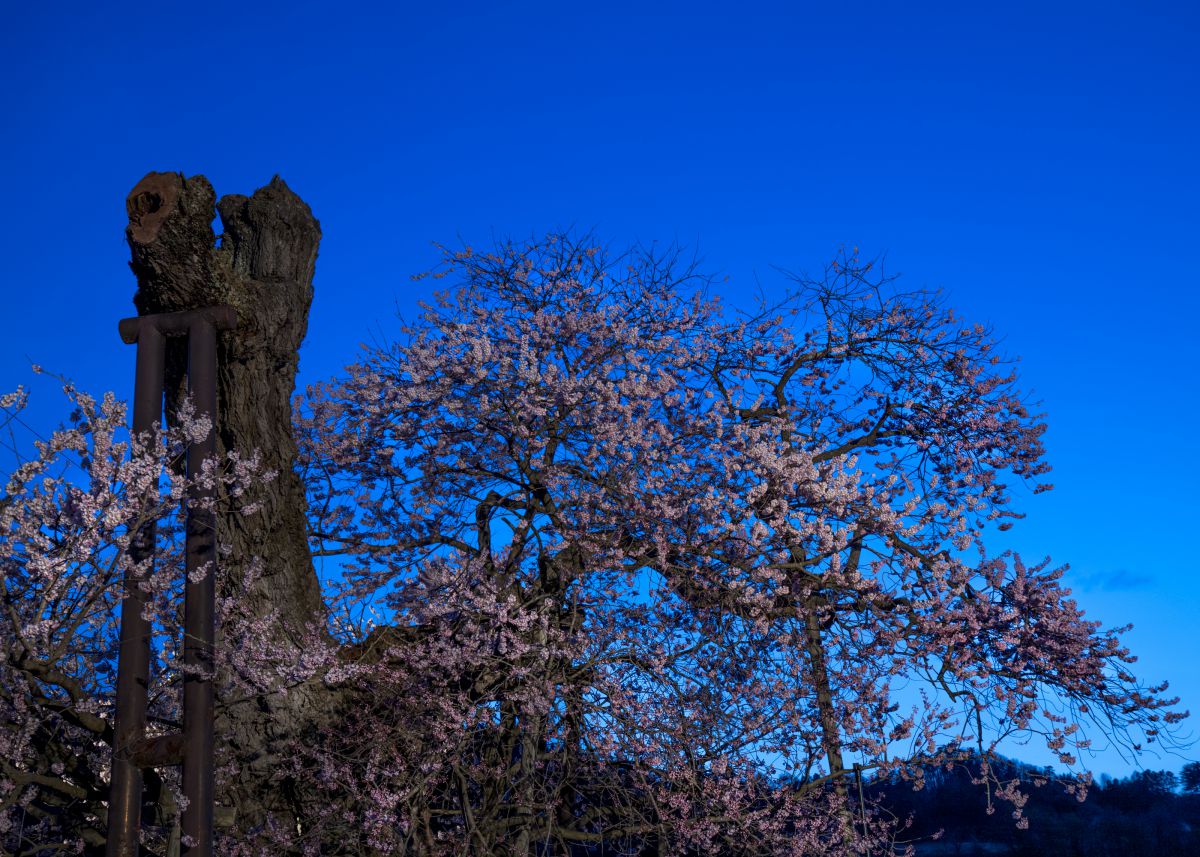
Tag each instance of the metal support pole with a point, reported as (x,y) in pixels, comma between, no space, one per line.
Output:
(133,659)
(132,751)
(199,602)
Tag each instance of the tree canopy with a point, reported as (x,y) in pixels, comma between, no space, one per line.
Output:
(610,569)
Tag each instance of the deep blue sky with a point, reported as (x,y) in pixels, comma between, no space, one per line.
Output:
(1037,161)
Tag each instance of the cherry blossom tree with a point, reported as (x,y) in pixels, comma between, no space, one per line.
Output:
(608,569)
(67,517)
(697,550)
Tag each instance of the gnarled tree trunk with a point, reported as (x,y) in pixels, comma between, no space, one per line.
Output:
(263,266)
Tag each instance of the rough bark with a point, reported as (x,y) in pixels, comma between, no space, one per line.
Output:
(263,266)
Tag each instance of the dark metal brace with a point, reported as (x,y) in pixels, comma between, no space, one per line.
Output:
(132,750)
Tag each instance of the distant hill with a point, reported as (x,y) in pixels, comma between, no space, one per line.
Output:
(1147,814)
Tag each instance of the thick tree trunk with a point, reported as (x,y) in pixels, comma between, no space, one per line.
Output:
(263,266)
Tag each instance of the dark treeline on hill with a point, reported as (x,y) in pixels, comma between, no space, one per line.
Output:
(1147,813)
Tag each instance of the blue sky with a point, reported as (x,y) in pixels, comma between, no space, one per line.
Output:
(1038,162)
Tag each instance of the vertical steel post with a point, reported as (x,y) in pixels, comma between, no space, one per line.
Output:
(133,659)
(199,601)
(132,751)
